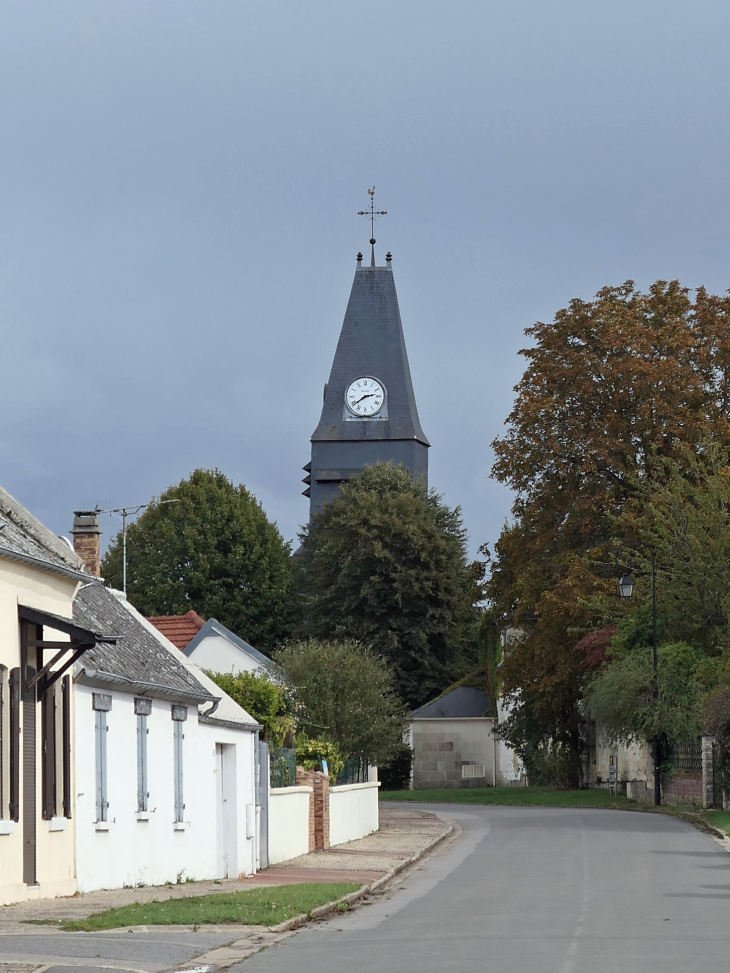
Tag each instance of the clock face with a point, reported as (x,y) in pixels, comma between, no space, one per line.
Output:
(365,397)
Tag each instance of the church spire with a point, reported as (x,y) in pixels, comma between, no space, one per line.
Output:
(369,412)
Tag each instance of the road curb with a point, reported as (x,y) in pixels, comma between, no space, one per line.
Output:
(329,907)
(691,817)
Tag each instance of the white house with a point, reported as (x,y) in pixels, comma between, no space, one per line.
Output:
(211,645)
(166,788)
(39,641)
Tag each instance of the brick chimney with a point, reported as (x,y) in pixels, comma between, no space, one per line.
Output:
(86,535)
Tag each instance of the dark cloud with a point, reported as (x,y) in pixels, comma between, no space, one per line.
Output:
(178,188)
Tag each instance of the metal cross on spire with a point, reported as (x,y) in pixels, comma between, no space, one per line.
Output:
(373,214)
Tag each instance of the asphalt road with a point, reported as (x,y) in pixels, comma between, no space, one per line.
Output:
(538,890)
(157,949)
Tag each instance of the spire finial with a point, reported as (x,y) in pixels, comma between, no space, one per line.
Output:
(373,214)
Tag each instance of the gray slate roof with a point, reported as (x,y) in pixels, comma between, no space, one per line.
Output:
(137,663)
(463,701)
(214,627)
(371,344)
(24,538)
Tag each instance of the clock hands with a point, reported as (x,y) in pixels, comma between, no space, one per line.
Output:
(367,395)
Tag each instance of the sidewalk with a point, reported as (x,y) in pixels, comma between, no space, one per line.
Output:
(403,833)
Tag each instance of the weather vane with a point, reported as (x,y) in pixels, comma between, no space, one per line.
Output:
(373,214)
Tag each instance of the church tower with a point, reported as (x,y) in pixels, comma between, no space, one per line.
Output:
(369,412)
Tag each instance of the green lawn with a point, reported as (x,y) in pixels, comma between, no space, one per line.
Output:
(546,796)
(262,906)
(720,819)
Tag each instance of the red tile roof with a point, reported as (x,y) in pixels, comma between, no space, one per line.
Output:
(179,629)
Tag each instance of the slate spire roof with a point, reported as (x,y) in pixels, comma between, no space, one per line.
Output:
(371,344)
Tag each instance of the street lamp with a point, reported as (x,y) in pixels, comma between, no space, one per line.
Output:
(626,589)
(626,586)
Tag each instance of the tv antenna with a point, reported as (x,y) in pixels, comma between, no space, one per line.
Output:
(126,512)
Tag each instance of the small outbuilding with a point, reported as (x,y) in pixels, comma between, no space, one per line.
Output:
(453,741)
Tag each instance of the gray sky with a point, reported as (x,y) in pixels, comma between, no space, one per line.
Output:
(179,184)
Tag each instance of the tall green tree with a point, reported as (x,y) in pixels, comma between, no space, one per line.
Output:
(346,694)
(215,551)
(612,387)
(682,517)
(385,563)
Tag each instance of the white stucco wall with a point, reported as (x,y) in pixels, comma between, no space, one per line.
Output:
(22,584)
(633,761)
(288,823)
(510,768)
(217,654)
(153,851)
(353,811)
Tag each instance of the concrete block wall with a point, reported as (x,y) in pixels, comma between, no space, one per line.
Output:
(442,748)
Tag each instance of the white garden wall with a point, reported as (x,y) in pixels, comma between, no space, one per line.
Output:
(353,811)
(288,823)
(150,848)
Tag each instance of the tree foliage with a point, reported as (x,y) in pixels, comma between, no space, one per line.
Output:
(268,702)
(621,696)
(213,550)
(312,752)
(682,515)
(385,563)
(346,694)
(614,387)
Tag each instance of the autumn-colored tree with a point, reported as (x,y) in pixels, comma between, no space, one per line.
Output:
(613,386)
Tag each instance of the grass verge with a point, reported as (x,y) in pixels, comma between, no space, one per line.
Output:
(255,907)
(720,819)
(540,796)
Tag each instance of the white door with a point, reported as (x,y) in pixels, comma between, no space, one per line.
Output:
(227,845)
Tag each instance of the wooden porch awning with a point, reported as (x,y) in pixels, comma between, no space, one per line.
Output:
(80,641)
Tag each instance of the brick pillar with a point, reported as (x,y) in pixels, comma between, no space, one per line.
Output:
(305,778)
(708,772)
(321,811)
(86,535)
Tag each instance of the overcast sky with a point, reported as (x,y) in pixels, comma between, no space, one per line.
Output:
(179,183)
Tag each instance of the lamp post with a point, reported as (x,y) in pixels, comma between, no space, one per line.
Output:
(626,589)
